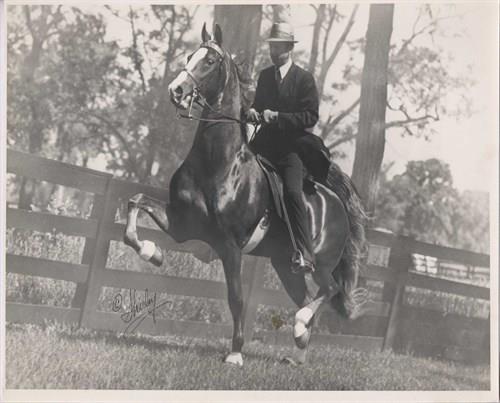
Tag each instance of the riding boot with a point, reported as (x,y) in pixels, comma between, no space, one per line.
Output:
(293,173)
(303,259)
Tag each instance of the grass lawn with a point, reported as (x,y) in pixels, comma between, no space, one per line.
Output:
(58,357)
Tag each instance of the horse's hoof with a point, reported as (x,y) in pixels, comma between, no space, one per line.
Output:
(235,359)
(149,252)
(303,340)
(289,361)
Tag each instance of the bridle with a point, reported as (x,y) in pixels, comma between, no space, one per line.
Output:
(199,99)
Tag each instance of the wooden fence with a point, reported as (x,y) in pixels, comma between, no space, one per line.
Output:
(382,328)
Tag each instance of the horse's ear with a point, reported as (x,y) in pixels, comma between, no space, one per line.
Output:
(218,34)
(205,36)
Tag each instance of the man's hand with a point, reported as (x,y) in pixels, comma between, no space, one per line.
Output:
(270,116)
(253,116)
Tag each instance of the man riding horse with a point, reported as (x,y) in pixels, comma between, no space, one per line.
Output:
(287,102)
(220,193)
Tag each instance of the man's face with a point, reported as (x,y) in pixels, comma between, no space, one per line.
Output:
(280,52)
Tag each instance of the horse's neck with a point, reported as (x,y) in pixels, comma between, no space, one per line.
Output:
(221,141)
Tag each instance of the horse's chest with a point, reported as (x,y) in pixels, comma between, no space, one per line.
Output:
(228,189)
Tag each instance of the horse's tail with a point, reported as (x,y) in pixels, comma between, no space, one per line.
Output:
(350,300)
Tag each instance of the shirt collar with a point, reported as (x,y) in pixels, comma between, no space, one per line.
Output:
(284,69)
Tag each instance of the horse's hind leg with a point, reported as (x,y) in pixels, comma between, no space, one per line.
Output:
(147,250)
(302,294)
(304,317)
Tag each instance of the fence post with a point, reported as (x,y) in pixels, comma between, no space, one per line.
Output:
(98,263)
(254,273)
(88,252)
(400,260)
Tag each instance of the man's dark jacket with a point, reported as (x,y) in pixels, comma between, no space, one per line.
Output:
(297,103)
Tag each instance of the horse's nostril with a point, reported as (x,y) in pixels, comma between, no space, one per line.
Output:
(178,90)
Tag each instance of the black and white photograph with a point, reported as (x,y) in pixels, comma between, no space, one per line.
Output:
(220,202)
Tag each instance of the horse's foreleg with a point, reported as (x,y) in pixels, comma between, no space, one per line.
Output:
(147,250)
(231,260)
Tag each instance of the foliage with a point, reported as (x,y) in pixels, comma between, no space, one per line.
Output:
(78,95)
(101,360)
(422,202)
(421,82)
(75,94)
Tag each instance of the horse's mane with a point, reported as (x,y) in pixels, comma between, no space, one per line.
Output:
(245,81)
(246,91)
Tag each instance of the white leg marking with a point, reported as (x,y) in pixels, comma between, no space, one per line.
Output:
(147,250)
(235,358)
(299,329)
(304,315)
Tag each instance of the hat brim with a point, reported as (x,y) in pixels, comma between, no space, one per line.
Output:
(280,40)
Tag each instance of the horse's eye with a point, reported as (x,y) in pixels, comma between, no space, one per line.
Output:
(210,61)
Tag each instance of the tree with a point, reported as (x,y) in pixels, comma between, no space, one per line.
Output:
(241,30)
(370,141)
(420,81)
(32,116)
(423,203)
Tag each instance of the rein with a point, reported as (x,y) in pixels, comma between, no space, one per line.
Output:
(200,100)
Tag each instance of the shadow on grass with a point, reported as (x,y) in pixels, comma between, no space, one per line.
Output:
(202,347)
(255,350)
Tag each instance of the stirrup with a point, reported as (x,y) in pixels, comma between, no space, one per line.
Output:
(301,265)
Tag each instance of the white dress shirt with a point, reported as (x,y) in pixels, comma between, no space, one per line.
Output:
(284,69)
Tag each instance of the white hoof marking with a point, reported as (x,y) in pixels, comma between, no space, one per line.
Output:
(299,329)
(147,251)
(235,358)
(304,315)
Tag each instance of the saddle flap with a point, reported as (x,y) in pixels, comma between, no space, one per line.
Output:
(275,183)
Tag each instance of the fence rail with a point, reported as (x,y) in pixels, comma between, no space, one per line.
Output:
(381,328)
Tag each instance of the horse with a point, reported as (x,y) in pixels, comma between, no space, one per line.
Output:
(220,195)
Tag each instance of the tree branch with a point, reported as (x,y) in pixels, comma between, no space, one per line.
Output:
(333,13)
(342,140)
(332,122)
(325,67)
(421,31)
(409,120)
(320,17)
(405,122)
(343,37)
(135,51)
(120,137)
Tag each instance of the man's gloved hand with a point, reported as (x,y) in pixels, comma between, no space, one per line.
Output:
(253,116)
(270,116)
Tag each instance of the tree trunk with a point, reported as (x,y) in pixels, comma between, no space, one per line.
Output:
(318,23)
(35,135)
(370,141)
(240,26)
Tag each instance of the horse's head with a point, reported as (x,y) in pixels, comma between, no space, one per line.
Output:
(204,74)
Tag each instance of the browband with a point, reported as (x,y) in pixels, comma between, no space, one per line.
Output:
(211,44)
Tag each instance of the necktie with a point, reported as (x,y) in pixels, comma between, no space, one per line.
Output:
(278,77)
